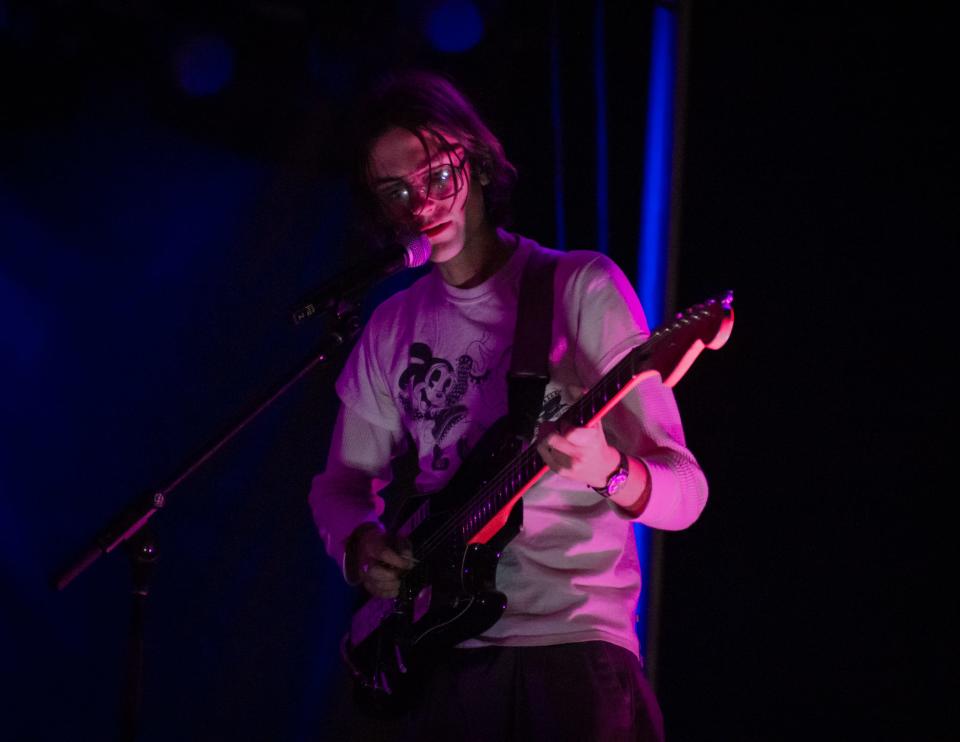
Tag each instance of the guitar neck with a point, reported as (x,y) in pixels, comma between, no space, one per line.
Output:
(668,353)
(499,495)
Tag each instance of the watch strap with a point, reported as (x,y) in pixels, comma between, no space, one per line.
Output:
(620,473)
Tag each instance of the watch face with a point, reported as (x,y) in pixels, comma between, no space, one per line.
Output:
(616,482)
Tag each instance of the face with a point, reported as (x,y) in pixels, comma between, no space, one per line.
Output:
(432,392)
(403,174)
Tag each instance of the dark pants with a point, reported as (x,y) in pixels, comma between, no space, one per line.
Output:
(585,691)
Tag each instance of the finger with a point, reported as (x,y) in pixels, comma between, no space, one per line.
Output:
(586,437)
(404,548)
(383,579)
(544,449)
(382,589)
(379,572)
(559,443)
(547,452)
(393,559)
(381,583)
(370,548)
(556,460)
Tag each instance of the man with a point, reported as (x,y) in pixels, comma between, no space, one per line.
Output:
(430,371)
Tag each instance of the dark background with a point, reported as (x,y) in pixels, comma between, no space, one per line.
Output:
(152,240)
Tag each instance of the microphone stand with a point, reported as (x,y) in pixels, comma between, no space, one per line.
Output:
(128,527)
(142,551)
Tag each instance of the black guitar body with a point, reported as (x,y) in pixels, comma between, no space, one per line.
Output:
(448,597)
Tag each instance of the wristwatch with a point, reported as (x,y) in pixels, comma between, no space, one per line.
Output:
(616,480)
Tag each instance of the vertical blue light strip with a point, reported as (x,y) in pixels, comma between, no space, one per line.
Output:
(655,221)
(600,99)
(655,212)
(555,115)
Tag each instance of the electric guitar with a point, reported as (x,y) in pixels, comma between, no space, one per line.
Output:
(458,533)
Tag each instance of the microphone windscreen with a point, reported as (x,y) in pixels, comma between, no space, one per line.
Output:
(416,250)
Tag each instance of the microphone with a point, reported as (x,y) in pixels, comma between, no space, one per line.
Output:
(410,251)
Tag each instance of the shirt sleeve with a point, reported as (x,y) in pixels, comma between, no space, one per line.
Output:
(343,496)
(646,424)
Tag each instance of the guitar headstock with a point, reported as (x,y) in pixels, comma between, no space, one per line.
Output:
(705,325)
(667,353)
(711,321)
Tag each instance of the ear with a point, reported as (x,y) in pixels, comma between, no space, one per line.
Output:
(483,172)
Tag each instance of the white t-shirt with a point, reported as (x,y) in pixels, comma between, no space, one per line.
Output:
(432,363)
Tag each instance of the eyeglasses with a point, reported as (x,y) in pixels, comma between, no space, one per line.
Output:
(400,198)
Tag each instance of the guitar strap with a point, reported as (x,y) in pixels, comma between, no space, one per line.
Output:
(526,379)
(528,375)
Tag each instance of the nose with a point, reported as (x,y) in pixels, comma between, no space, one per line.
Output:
(424,210)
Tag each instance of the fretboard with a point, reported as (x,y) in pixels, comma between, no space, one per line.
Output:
(668,352)
(497,493)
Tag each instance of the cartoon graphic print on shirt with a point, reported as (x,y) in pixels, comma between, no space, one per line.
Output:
(432,391)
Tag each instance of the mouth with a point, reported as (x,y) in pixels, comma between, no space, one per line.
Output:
(435,230)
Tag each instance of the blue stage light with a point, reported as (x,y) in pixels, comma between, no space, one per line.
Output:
(454,26)
(658,151)
(654,244)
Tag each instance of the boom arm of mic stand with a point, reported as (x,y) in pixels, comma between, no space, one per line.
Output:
(124,526)
(131,520)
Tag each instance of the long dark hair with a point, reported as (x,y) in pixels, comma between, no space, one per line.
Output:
(426,104)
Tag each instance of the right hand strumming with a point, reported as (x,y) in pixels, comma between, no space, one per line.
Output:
(379,560)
